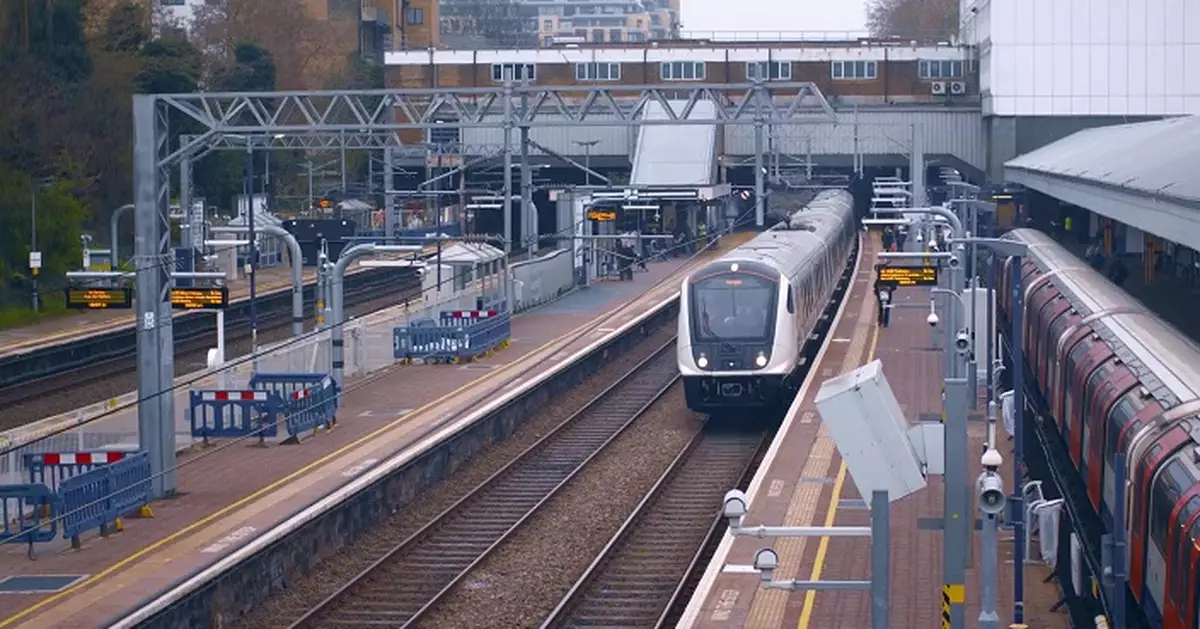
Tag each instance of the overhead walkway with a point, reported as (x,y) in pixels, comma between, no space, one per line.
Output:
(1141,175)
(677,156)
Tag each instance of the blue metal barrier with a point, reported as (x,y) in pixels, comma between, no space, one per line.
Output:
(96,499)
(29,513)
(51,468)
(217,414)
(458,338)
(307,400)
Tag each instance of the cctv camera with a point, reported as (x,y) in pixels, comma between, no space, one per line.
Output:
(932,319)
(954,262)
(962,343)
(734,507)
(991,459)
(990,492)
(766,561)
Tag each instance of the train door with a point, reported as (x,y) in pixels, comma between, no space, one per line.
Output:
(1036,301)
(1095,356)
(1105,386)
(1057,358)
(1144,476)
(1048,340)
(1168,488)
(1180,564)
(1129,415)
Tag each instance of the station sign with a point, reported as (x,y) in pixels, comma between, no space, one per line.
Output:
(908,275)
(99,298)
(212,298)
(602,215)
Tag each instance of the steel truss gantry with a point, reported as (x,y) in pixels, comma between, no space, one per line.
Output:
(360,119)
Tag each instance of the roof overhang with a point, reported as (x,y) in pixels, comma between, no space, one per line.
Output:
(1167,218)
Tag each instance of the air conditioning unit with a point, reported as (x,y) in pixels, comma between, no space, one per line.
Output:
(938,88)
(958,87)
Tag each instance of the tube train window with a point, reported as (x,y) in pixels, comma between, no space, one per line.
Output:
(1091,394)
(733,306)
(1122,413)
(1165,494)
(791,300)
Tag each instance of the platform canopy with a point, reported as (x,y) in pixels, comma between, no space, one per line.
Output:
(1142,174)
(470,254)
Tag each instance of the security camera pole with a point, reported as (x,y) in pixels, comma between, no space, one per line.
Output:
(989,490)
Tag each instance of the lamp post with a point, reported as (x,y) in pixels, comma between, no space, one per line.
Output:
(587,159)
(35,256)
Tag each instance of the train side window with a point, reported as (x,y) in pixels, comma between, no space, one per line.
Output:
(1122,413)
(1163,496)
(1179,562)
(791,300)
(1095,381)
(1194,534)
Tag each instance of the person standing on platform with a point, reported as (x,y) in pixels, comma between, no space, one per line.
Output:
(888,238)
(901,236)
(883,297)
(1117,273)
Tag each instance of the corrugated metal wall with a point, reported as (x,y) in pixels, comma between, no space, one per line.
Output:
(880,132)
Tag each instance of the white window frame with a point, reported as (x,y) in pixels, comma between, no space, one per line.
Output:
(498,71)
(776,70)
(837,70)
(590,71)
(666,70)
(946,69)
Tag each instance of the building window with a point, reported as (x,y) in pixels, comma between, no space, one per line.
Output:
(548,25)
(414,17)
(852,70)
(769,70)
(172,3)
(515,71)
(682,71)
(614,34)
(597,35)
(597,72)
(942,69)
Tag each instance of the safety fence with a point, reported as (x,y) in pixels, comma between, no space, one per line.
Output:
(305,402)
(369,346)
(456,337)
(74,492)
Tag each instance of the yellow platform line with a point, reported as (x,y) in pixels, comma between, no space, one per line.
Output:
(810,597)
(224,511)
(769,606)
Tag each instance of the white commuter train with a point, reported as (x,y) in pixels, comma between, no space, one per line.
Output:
(746,319)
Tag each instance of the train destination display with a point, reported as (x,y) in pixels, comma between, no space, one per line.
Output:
(211,298)
(99,298)
(602,215)
(909,275)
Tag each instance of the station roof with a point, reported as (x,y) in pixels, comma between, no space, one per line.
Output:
(470,253)
(1140,174)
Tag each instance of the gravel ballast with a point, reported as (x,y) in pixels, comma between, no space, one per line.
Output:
(289,605)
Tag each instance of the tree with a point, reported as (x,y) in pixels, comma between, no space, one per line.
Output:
(916,19)
(125,29)
(169,66)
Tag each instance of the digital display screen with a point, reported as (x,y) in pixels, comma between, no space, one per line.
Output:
(909,275)
(215,298)
(602,215)
(99,298)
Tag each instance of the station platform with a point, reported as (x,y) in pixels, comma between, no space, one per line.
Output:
(234,493)
(73,325)
(802,482)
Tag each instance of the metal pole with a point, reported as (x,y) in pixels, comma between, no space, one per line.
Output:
(508,127)
(310,184)
(1118,555)
(252,249)
(342,154)
(297,263)
(114,226)
(528,215)
(759,183)
(988,547)
(955,532)
(881,570)
(993,262)
(587,163)
(389,199)
(33,195)
(1018,381)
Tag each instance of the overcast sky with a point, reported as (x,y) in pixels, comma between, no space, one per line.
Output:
(774,15)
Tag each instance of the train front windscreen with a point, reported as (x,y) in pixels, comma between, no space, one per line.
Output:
(733,307)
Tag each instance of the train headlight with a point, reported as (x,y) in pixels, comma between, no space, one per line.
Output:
(761,360)
(702,361)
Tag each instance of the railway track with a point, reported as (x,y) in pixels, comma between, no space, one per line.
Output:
(642,573)
(30,401)
(399,588)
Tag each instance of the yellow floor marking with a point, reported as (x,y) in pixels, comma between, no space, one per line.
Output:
(810,597)
(220,513)
(768,607)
